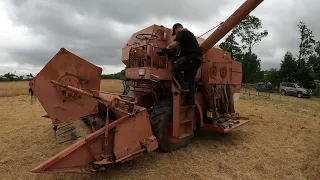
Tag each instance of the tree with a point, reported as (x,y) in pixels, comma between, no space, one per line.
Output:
(288,68)
(314,65)
(251,68)
(317,48)
(314,62)
(30,75)
(232,46)
(273,76)
(10,76)
(248,31)
(306,43)
(114,76)
(306,50)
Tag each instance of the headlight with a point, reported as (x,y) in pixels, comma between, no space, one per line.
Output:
(142,72)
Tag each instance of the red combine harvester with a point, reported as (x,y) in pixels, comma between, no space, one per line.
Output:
(147,116)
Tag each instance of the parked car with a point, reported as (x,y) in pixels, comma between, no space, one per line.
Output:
(263,87)
(295,89)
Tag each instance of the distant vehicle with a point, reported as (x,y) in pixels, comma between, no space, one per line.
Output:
(263,87)
(295,89)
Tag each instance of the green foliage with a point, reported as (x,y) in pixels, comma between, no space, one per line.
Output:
(273,76)
(251,68)
(288,68)
(10,77)
(290,71)
(248,31)
(232,46)
(317,48)
(314,62)
(303,68)
(306,49)
(306,42)
(249,34)
(306,68)
(13,77)
(114,76)
(305,77)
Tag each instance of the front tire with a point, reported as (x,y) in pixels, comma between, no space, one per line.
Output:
(299,94)
(161,119)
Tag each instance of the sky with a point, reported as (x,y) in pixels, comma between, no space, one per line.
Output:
(33,31)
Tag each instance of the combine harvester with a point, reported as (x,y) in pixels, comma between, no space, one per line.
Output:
(149,115)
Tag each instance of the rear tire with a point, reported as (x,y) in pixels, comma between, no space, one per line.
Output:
(283,92)
(161,121)
(196,122)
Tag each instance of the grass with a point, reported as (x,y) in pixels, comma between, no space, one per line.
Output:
(281,142)
(10,89)
(109,85)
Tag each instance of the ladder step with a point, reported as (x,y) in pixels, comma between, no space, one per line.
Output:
(185,121)
(183,135)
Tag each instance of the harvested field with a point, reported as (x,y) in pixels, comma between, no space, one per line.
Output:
(10,89)
(281,142)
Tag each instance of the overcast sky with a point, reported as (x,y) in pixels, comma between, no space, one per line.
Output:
(33,31)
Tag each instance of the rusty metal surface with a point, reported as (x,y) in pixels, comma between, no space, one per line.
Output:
(129,134)
(237,123)
(132,135)
(150,73)
(236,76)
(62,105)
(219,68)
(177,101)
(104,144)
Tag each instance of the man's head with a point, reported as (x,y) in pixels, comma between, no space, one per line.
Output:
(176,28)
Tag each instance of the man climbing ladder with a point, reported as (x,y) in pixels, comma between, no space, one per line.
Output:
(189,60)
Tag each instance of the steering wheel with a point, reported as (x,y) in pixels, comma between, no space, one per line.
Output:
(146,36)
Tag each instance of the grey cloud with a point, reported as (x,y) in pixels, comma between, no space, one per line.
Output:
(266,65)
(136,12)
(85,28)
(281,20)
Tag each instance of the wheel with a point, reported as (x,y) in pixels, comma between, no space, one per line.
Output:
(283,92)
(196,122)
(299,94)
(161,121)
(146,36)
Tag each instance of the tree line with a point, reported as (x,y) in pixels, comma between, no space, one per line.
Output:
(13,77)
(118,75)
(302,67)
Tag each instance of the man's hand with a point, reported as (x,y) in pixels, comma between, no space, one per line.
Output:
(173,45)
(165,50)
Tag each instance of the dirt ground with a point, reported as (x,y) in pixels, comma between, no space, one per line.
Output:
(281,142)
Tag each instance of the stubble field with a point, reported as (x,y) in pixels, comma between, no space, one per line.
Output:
(281,142)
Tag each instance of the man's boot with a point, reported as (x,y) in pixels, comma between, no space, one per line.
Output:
(185,87)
